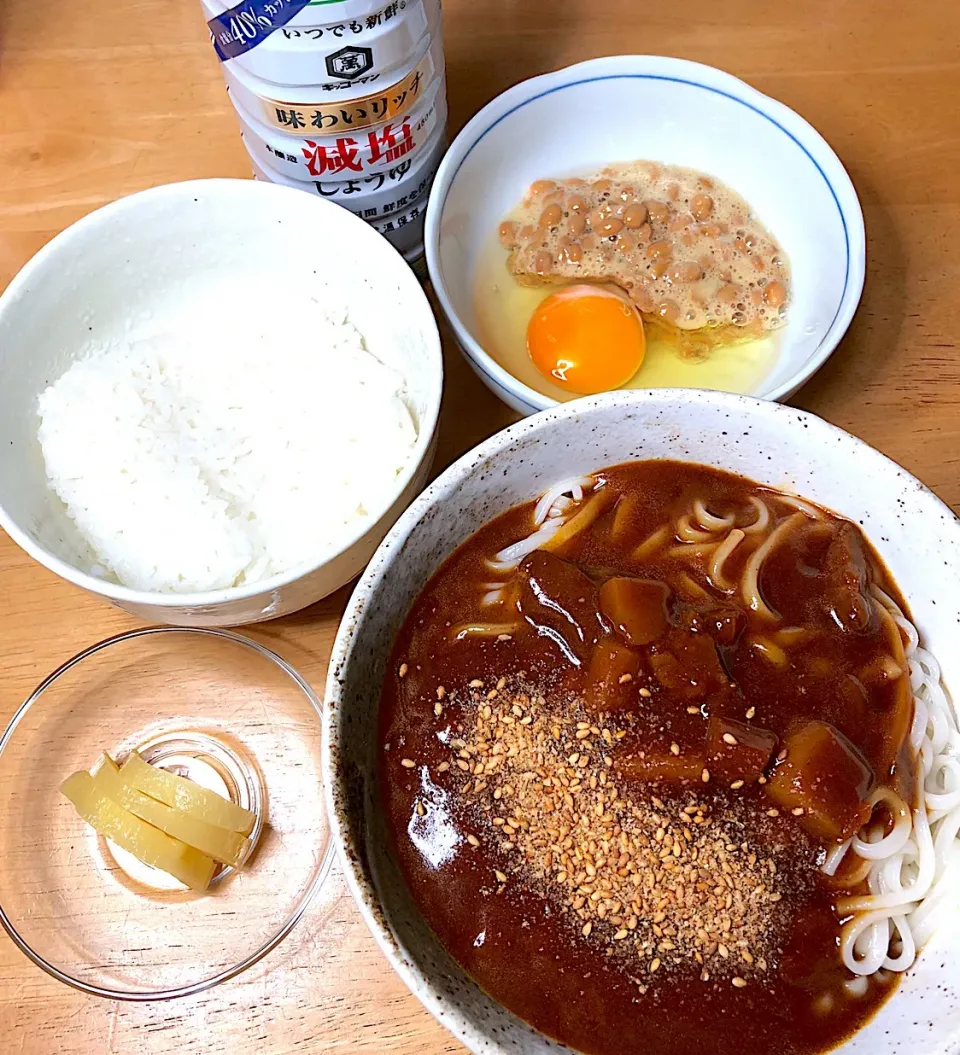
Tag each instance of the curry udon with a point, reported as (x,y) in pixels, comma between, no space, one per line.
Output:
(661,753)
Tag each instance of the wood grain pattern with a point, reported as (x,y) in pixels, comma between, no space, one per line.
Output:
(97,101)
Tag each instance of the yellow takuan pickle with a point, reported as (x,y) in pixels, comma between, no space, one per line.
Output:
(145,842)
(183,794)
(228,847)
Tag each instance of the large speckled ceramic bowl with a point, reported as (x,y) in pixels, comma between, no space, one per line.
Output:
(913,530)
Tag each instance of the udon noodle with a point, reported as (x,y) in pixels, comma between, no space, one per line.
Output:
(907,868)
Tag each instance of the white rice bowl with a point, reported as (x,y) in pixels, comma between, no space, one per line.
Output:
(298,331)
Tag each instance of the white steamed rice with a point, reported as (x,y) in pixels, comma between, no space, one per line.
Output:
(195,464)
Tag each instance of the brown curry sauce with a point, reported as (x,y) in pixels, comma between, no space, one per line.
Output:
(691,709)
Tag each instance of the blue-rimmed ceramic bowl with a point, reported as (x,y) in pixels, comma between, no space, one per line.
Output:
(631,107)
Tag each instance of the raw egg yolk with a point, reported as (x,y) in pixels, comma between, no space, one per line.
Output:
(586,339)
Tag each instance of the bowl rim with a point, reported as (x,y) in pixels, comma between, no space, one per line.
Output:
(656,67)
(388,260)
(392,547)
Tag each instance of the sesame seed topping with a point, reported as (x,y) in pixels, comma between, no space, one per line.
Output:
(736,785)
(670,882)
(403,670)
(729,738)
(751,711)
(407,763)
(438,709)
(645,693)
(739,982)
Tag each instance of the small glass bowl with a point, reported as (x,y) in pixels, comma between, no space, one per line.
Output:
(208,704)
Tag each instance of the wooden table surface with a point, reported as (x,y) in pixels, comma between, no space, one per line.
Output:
(99,100)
